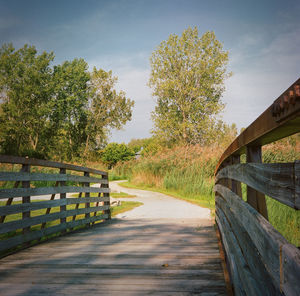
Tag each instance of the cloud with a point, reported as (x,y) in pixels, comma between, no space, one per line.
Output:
(259,78)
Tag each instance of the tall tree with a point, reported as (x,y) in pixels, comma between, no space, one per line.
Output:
(187,78)
(69,107)
(25,88)
(107,108)
(56,112)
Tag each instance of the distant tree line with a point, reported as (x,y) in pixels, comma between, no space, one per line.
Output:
(60,112)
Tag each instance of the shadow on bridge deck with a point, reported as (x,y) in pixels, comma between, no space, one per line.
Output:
(121,257)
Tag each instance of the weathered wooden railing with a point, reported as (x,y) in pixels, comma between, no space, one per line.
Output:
(260,260)
(27,226)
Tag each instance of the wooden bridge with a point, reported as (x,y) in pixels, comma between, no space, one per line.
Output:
(93,253)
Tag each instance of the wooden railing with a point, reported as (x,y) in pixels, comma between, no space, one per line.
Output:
(27,211)
(259,259)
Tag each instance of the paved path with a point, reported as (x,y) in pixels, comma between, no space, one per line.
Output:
(137,254)
(158,205)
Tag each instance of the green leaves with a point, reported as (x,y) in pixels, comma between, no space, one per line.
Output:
(60,112)
(115,152)
(187,78)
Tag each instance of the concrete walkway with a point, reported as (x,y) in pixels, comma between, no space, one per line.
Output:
(158,206)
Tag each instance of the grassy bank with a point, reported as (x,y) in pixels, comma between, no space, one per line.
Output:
(188,173)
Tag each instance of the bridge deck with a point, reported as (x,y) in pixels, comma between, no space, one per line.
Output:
(121,257)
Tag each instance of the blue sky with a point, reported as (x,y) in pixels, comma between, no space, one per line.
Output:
(262,37)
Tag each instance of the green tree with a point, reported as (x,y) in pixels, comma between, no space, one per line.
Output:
(187,78)
(57,112)
(108,109)
(115,152)
(69,112)
(25,89)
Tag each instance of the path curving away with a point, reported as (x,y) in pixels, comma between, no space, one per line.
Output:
(158,205)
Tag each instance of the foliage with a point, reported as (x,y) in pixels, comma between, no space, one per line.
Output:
(115,152)
(25,88)
(187,172)
(108,109)
(187,77)
(62,112)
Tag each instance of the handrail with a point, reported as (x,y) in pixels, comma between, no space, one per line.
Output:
(260,260)
(280,120)
(28,226)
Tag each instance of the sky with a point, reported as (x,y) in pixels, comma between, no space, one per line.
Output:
(262,37)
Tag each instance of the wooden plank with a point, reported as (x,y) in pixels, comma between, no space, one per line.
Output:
(266,128)
(20,176)
(14,225)
(18,192)
(297,184)
(280,181)
(230,257)
(106,194)
(87,195)
(46,163)
(33,235)
(26,199)
(251,256)
(255,198)
(290,262)
(63,208)
(19,208)
(236,186)
(9,202)
(266,239)
(48,210)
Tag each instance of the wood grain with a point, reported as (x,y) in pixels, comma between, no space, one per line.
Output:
(17,192)
(280,181)
(19,208)
(265,238)
(47,163)
(96,262)
(20,176)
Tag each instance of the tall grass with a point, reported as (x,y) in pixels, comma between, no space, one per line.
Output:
(188,173)
(184,171)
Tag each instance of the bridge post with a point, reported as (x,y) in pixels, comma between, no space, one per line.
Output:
(62,196)
(236,186)
(255,198)
(87,194)
(26,199)
(106,203)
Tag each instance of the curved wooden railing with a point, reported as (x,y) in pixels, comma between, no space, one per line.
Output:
(21,221)
(259,259)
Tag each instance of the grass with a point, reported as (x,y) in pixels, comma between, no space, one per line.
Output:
(206,202)
(188,173)
(124,207)
(121,195)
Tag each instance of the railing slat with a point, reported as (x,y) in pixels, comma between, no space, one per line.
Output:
(266,239)
(19,176)
(35,235)
(47,163)
(19,192)
(227,235)
(290,262)
(275,180)
(249,250)
(14,225)
(38,205)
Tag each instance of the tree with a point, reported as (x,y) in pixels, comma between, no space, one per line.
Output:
(60,112)
(69,108)
(187,78)
(115,152)
(107,108)
(25,88)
